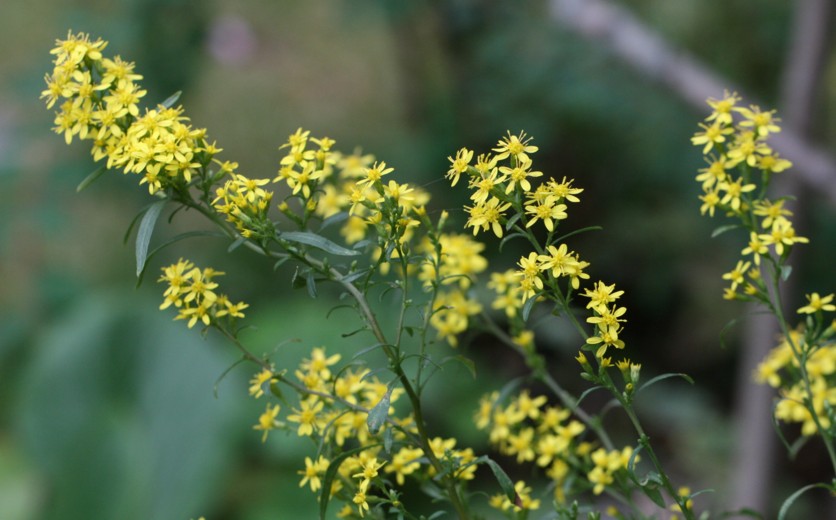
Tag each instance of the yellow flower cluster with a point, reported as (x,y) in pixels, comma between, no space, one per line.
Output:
(100,103)
(334,410)
(451,264)
(192,291)
(606,318)
(245,204)
(802,366)
(780,369)
(497,187)
(532,431)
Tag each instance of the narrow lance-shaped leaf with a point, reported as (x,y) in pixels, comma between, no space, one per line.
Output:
(91,178)
(319,242)
(143,236)
(170,100)
(504,480)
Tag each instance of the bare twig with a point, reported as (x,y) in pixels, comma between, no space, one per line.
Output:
(641,47)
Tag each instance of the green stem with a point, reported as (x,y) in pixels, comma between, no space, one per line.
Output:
(778,309)
(644,442)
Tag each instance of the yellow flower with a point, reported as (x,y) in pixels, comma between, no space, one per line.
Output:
(268,421)
(514,146)
(307,416)
(259,380)
(459,165)
(313,471)
(711,135)
(816,303)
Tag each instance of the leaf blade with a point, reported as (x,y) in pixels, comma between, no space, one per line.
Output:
(143,235)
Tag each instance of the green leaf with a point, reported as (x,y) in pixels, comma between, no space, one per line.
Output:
(511,221)
(170,100)
(311,284)
(98,172)
(319,242)
(586,393)
(510,237)
(504,481)
(143,236)
(785,507)
(529,304)
(334,219)
(579,231)
(355,275)
(786,271)
(280,262)
(468,363)
(653,493)
(378,414)
(235,244)
(663,377)
(722,229)
(331,473)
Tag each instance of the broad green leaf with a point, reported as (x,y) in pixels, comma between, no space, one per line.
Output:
(98,172)
(378,414)
(143,236)
(319,242)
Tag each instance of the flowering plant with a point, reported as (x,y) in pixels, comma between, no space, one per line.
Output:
(345,219)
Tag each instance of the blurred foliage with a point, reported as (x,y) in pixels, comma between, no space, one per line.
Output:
(112,405)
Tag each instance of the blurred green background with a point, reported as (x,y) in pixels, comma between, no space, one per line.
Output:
(107,408)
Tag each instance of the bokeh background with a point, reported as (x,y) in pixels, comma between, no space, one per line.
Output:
(110,410)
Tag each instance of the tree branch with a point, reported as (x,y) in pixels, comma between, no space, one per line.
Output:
(648,52)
